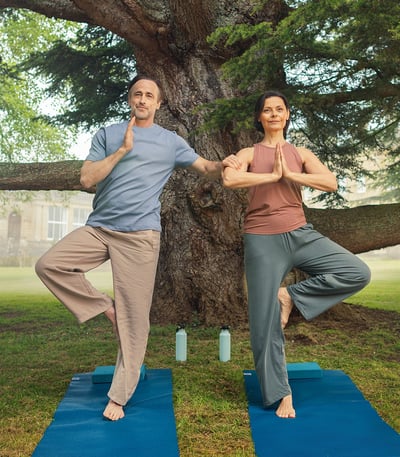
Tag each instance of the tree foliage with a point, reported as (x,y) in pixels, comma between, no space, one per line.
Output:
(25,136)
(338,61)
(96,93)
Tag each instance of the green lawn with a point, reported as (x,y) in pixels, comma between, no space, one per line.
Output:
(21,280)
(383,292)
(383,269)
(42,347)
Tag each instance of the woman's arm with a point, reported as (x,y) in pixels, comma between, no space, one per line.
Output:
(241,178)
(316,175)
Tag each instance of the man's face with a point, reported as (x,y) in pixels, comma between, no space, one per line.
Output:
(144,99)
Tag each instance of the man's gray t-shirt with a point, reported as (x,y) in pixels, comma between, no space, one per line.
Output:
(127,199)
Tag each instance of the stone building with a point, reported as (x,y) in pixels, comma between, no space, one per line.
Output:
(28,228)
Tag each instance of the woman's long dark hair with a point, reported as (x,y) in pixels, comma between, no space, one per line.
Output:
(260,106)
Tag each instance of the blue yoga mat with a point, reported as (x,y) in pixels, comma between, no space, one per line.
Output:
(333,419)
(79,430)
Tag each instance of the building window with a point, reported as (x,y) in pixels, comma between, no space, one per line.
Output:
(14,233)
(361,185)
(57,223)
(80,217)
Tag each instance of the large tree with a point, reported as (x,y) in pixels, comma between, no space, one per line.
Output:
(201,273)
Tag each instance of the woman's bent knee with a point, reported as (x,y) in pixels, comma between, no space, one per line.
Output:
(367,276)
(363,276)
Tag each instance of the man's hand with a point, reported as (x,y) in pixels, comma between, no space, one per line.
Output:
(94,172)
(127,144)
(232,161)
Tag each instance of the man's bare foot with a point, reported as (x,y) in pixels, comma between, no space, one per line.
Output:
(112,317)
(286,305)
(285,408)
(113,411)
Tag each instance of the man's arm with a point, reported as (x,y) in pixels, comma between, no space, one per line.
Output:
(211,169)
(94,172)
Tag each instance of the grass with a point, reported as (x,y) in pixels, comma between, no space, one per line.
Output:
(42,347)
(384,290)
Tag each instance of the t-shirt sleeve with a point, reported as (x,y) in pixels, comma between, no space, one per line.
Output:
(185,155)
(97,149)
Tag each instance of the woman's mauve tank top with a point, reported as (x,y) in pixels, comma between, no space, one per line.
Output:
(275,207)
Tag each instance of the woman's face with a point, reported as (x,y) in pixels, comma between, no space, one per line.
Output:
(274,115)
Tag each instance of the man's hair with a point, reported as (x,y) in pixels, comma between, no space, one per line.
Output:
(260,106)
(148,78)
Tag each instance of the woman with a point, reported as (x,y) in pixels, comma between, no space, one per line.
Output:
(278,238)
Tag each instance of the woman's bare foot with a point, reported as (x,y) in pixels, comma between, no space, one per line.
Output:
(113,411)
(285,408)
(286,305)
(112,317)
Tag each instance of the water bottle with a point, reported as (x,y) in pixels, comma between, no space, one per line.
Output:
(181,344)
(224,344)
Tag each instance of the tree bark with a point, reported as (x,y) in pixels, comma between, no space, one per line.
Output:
(62,175)
(360,229)
(200,274)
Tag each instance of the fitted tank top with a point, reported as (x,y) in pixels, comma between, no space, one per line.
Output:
(274,207)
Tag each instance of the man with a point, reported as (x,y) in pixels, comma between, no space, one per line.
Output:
(129,163)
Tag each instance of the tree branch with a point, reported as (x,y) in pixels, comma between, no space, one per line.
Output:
(360,229)
(64,175)
(143,26)
(62,9)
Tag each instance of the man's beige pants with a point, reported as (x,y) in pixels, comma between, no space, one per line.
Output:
(134,257)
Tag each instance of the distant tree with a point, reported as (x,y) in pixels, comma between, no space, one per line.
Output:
(25,136)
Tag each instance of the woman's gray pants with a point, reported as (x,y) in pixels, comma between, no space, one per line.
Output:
(334,274)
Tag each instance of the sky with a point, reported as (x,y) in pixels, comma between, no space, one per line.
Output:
(81,148)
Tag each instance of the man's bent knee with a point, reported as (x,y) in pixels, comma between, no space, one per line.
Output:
(40,267)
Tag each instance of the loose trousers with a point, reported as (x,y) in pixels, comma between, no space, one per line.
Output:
(334,274)
(133,257)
